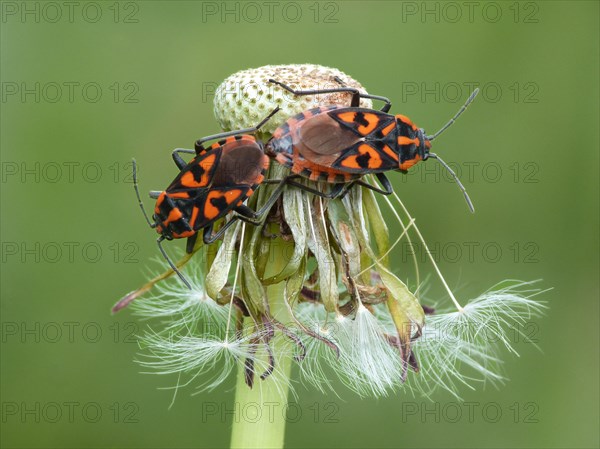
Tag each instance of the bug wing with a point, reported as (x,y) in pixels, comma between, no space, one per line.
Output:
(348,139)
(363,122)
(210,205)
(243,162)
(198,173)
(367,157)
(321,140)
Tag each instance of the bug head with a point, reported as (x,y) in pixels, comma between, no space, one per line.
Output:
(159,226)
(170,216)
(424,144)
(160,216)
(413,144)
(420,148)
(164,231)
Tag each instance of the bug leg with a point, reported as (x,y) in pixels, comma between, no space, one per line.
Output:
(209,237)
(273,198)
(171,264)
(137,193)
(388,104)
(181,164)
(199,148)
(246,212)
(199,142)
(154,194)
(355,101)
(335,192)
(247,215)
(346,188)
(255,217)
(386,107)
(356,95)
(249,220)
(385,182)
(191,243)
(206,235)
(289,180)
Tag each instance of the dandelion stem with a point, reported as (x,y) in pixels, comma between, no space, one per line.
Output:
(267,398)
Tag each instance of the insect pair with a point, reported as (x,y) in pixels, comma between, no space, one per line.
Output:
(334,144)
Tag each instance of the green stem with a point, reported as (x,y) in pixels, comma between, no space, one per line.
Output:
(261,419)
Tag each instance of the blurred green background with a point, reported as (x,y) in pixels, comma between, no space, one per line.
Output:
(88,85)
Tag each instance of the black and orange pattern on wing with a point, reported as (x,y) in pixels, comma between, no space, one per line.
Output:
(286,148)
(218,202)
(218,179)
(370,156)
(364,122)
(243,138)
(241,169)
(337,144)
(198,173)
(170,214)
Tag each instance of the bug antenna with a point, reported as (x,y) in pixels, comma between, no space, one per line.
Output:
(137,193)
(453,119)
(171,264)
(268,117)
(460,186)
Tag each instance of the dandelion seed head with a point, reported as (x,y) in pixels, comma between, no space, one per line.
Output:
(246,97)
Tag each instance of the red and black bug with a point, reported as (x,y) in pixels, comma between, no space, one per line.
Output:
(339,145)
(218,180)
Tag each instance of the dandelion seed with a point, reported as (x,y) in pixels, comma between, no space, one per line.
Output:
(180,308)
(198,357)
(463,347)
